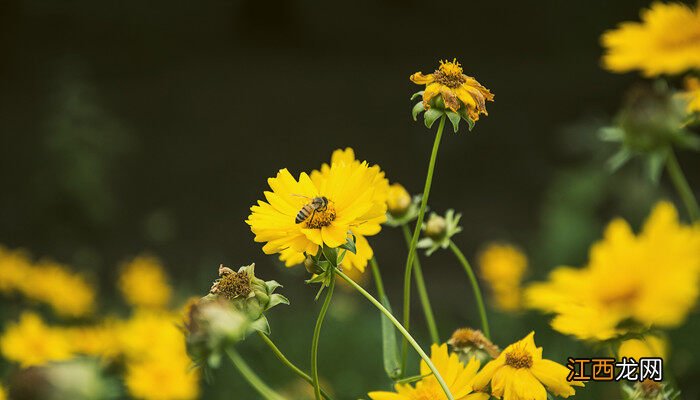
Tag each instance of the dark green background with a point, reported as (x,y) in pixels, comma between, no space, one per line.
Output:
(152,126)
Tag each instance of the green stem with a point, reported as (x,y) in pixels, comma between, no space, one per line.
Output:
(377,278)
(280,356)
(414,240)
(401,329)
(253,379)
(317,335)
(682,186)
(422,291)
(475,287)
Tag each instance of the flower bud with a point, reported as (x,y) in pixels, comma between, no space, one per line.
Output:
(436,227)
(468,343)
(398,200)
(439,231)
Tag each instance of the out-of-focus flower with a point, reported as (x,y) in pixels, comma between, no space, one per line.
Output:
(692,94)
(401,207)
(343,199)
(651,122)
(468,343)
(439,231)
(449,91)
(151,334)
(651,278)
(144,283)
(646,346)
(69,294)
(101,340)
(665,42)
(14,268)
(3,395)
(169,377)
(458,377)
(520,373)
(502,266)
(30,342)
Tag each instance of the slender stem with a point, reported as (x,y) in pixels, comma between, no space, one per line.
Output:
(682,186)
(401,329)
(414,240)
(252,378)
(475,287)
(317,335)
(278,353)
(422,291)
(377,277)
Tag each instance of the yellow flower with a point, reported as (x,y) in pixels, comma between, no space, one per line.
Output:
(647,346)
(355,203)
(143,283)
(457,376)
(398,200)
(456,89)
(3,396)
(30,342)
(651,278)
(14,268)
(502,266)
(692,94)
(149,334)
(170,377)
(520,373)
(667,41)
(101,340)
(68,293)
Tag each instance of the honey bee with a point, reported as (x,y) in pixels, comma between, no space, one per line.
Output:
(309,210)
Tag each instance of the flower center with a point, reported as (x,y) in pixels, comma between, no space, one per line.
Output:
(450,74)
(319,219)
(234,285)
(519,358)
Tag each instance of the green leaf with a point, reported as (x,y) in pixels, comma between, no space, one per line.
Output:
(655,165)
(261,325)
(454,119)
(417,109)
(619,159)
(417,94)
(432,115)
(331,255)
(471,123)
(350,245)
(390,348)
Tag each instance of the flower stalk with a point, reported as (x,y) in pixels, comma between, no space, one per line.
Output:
(414,241)
(475,287)
(423,292)
(280,356)
(401,329)
(253,379)
(317,336)
(682,187)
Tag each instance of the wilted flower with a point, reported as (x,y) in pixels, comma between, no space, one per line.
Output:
(31,342)
(650,278)
(665,42)
(468,343)
(449,92)
(502,266)
(458,377)
(520,373)
(143,283)
(439,231)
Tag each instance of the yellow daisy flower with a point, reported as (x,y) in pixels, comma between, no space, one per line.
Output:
(667,41)
(520,373)
(169,377)
(30,342)
(351,200)
(456,89)
(457,376)
(14,268)
(647,346)
(692,94)
(68,293)
(503,266)
(143,283)
(651,278)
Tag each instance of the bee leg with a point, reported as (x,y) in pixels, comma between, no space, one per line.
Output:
(311,218)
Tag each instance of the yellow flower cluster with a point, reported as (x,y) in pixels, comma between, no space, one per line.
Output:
(31,342)
(667,41)
(326,207)
(48,282)
(651,278)
(143,283)
(502,267)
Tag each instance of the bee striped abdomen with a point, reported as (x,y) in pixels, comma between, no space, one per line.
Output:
(303,214)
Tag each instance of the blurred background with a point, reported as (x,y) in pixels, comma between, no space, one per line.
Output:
(132,127)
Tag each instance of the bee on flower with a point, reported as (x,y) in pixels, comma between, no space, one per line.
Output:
(352,199)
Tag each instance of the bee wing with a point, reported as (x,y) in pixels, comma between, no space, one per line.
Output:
(301,195)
